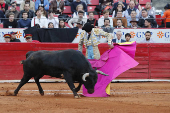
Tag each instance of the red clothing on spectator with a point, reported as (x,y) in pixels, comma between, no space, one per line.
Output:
(35,41)
(167,15)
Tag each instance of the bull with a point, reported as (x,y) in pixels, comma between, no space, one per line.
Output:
(68,64)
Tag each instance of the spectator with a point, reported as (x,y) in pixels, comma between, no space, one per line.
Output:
(39,19)
(118,39)
(11,23)
(57,6)
(119,8)
(149,9)
(28,38)
(50,25)
(146,16)
(132,16)
(31,5)
(79,8)
(79,24)
(8,2)
(134,24)
(91,19)
(119,16)
(167,15)
(13,10)
(76,3)
(137,5)
(119,24)
(25,22)
(75,20)
(43,11)
(62,24)
(53,19)
(130,9)
(30,13)
(105,15)
(44,2)
(13,37)
(148,23)
(85,1)
(127,37)
(106,2)
(106,27)
(7,37)
(3,6)
(147,38)
(120,2)
(1,16)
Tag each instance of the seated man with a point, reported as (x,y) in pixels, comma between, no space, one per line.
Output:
(146,16)
(119,16)
(45,3)
(27,9)
(118,39)
(134,24)
(79,24)
(31,5)
(147,38)
(77,2)
(106,27)
(12,10)
(28,38)
(7,37)
(13,37)
(10,23)
(148,24)
(131,8)
(132,17)
(149,9)
(105,15)
(25,22)
(92,20)
(119,24)
(120,2)
(3,6)
(76,19)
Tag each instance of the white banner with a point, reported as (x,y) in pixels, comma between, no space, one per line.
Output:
(158,35)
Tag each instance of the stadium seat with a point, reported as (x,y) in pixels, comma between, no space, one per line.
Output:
(127,1)
(94,2)
(144,1)
(17,8)
(67,9)
(117,1)
(142,6)
(1,25)
(158,19)
(91,8)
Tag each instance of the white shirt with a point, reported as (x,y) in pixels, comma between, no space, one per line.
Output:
(147,41)
(55,21)
(101,21)
(42,21)
(75,20)
(75,15)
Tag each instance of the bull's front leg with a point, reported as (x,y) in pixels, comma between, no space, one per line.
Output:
(78,87)
(69,80)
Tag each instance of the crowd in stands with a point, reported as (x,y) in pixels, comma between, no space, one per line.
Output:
(46,13)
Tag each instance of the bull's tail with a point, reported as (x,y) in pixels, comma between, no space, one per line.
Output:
(22,61)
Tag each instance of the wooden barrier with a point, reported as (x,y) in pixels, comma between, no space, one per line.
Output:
(154,59)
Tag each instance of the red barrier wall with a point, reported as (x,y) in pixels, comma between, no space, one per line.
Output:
(154,59)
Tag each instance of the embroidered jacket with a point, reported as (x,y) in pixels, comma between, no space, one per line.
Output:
(94,39)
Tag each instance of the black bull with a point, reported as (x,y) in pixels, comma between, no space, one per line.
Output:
(68,64)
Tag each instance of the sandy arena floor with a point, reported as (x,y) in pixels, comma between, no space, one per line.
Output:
(148,97)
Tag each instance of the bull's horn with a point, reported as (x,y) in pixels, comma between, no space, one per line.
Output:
(84,76)
(100,72)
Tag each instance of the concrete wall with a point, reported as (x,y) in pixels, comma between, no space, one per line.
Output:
(159,4)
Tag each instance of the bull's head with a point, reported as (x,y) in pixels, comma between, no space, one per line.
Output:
(90,79)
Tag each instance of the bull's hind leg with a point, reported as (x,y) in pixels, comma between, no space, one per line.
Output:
(36,78)
(23,81)
(69,80)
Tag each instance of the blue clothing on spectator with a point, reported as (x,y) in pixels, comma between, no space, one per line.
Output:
(24,23)
(1,16)
(46,4)
(74,5)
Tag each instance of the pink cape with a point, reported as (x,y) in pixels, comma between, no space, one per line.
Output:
(112,62)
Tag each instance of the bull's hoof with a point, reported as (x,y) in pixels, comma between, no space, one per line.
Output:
(9,93)
(77,97)
(42,94)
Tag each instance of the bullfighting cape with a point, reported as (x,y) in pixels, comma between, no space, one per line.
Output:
(112,62)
